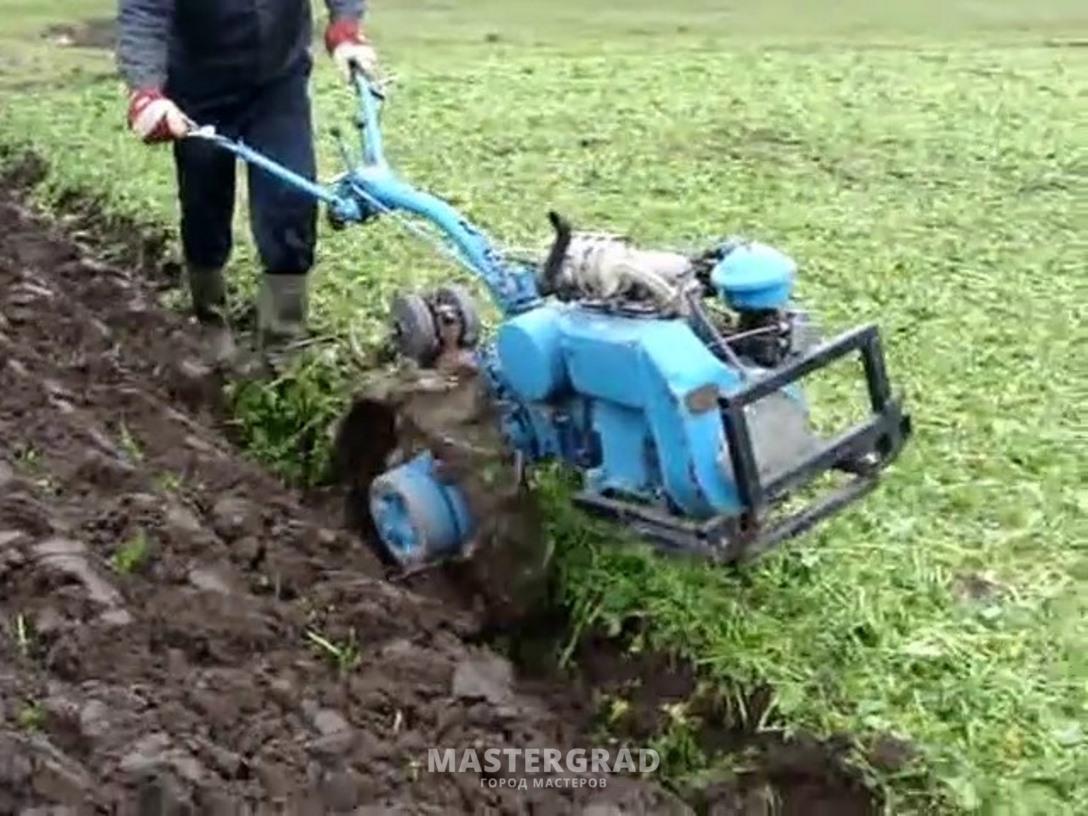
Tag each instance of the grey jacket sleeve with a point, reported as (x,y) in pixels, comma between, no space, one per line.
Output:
(346,9)
(143,37)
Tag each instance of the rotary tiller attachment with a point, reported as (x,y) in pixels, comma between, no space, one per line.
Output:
(432,481)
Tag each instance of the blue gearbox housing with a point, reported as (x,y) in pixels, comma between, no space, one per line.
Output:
(611,394)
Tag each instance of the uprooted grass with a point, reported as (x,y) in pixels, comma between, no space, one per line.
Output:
(934,190)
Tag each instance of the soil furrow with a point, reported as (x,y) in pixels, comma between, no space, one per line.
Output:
(163,598)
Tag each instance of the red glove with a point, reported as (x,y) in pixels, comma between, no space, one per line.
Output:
(349,48)
(154,118)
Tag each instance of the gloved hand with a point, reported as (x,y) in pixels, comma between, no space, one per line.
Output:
(154,118)
(349,48)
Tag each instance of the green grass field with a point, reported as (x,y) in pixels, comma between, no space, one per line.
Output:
(925,162)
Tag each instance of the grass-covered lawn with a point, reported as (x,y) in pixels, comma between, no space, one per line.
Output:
(925,163)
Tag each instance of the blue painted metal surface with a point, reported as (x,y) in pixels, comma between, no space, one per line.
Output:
(251,156)
(418,517)
(529,346)
(626,380)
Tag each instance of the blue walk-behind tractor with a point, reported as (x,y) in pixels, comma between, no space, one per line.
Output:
(686,424)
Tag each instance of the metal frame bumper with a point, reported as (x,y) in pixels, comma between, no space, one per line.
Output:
(863,450)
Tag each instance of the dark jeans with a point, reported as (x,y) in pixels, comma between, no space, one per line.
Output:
(274,120)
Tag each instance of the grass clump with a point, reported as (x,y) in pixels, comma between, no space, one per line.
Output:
(133,555)
(287,422)
(31,717)
(344,656)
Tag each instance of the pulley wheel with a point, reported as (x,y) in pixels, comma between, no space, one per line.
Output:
(414,329)
(460,300)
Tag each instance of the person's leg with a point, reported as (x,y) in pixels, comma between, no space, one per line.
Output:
(283,219)
(206,187)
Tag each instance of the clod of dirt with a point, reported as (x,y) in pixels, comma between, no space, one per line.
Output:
(182,520)
(648,682)
(623,798)
(94,33)
(101,469)
(34,764)
(233,517)
(341,790)
(156,753)
(195,385)
(328,722)
(162,793)
(11,554)
(729,801)
(976,587)
(94,721)
(208,580)
(69,558)
(488,677)
(48,621)
(336,736)
(115,617)
(9,537)
(891,754)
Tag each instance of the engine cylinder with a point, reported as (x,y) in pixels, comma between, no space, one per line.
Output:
(530,355)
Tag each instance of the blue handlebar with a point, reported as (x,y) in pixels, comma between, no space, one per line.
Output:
(372,189)
(373,152)
(248,154)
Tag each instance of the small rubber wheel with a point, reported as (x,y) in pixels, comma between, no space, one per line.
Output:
(414,330)
(461,301)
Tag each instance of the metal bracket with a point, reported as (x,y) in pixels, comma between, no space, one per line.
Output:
(864,450)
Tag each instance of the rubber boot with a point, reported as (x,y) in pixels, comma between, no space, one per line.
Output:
(282,312)
(209,296)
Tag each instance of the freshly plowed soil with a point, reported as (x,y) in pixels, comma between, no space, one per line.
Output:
(158,595)
(180,633)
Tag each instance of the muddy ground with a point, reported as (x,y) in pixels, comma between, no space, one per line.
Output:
(167,609)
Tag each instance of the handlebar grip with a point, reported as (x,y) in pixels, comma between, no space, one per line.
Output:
(364,82)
